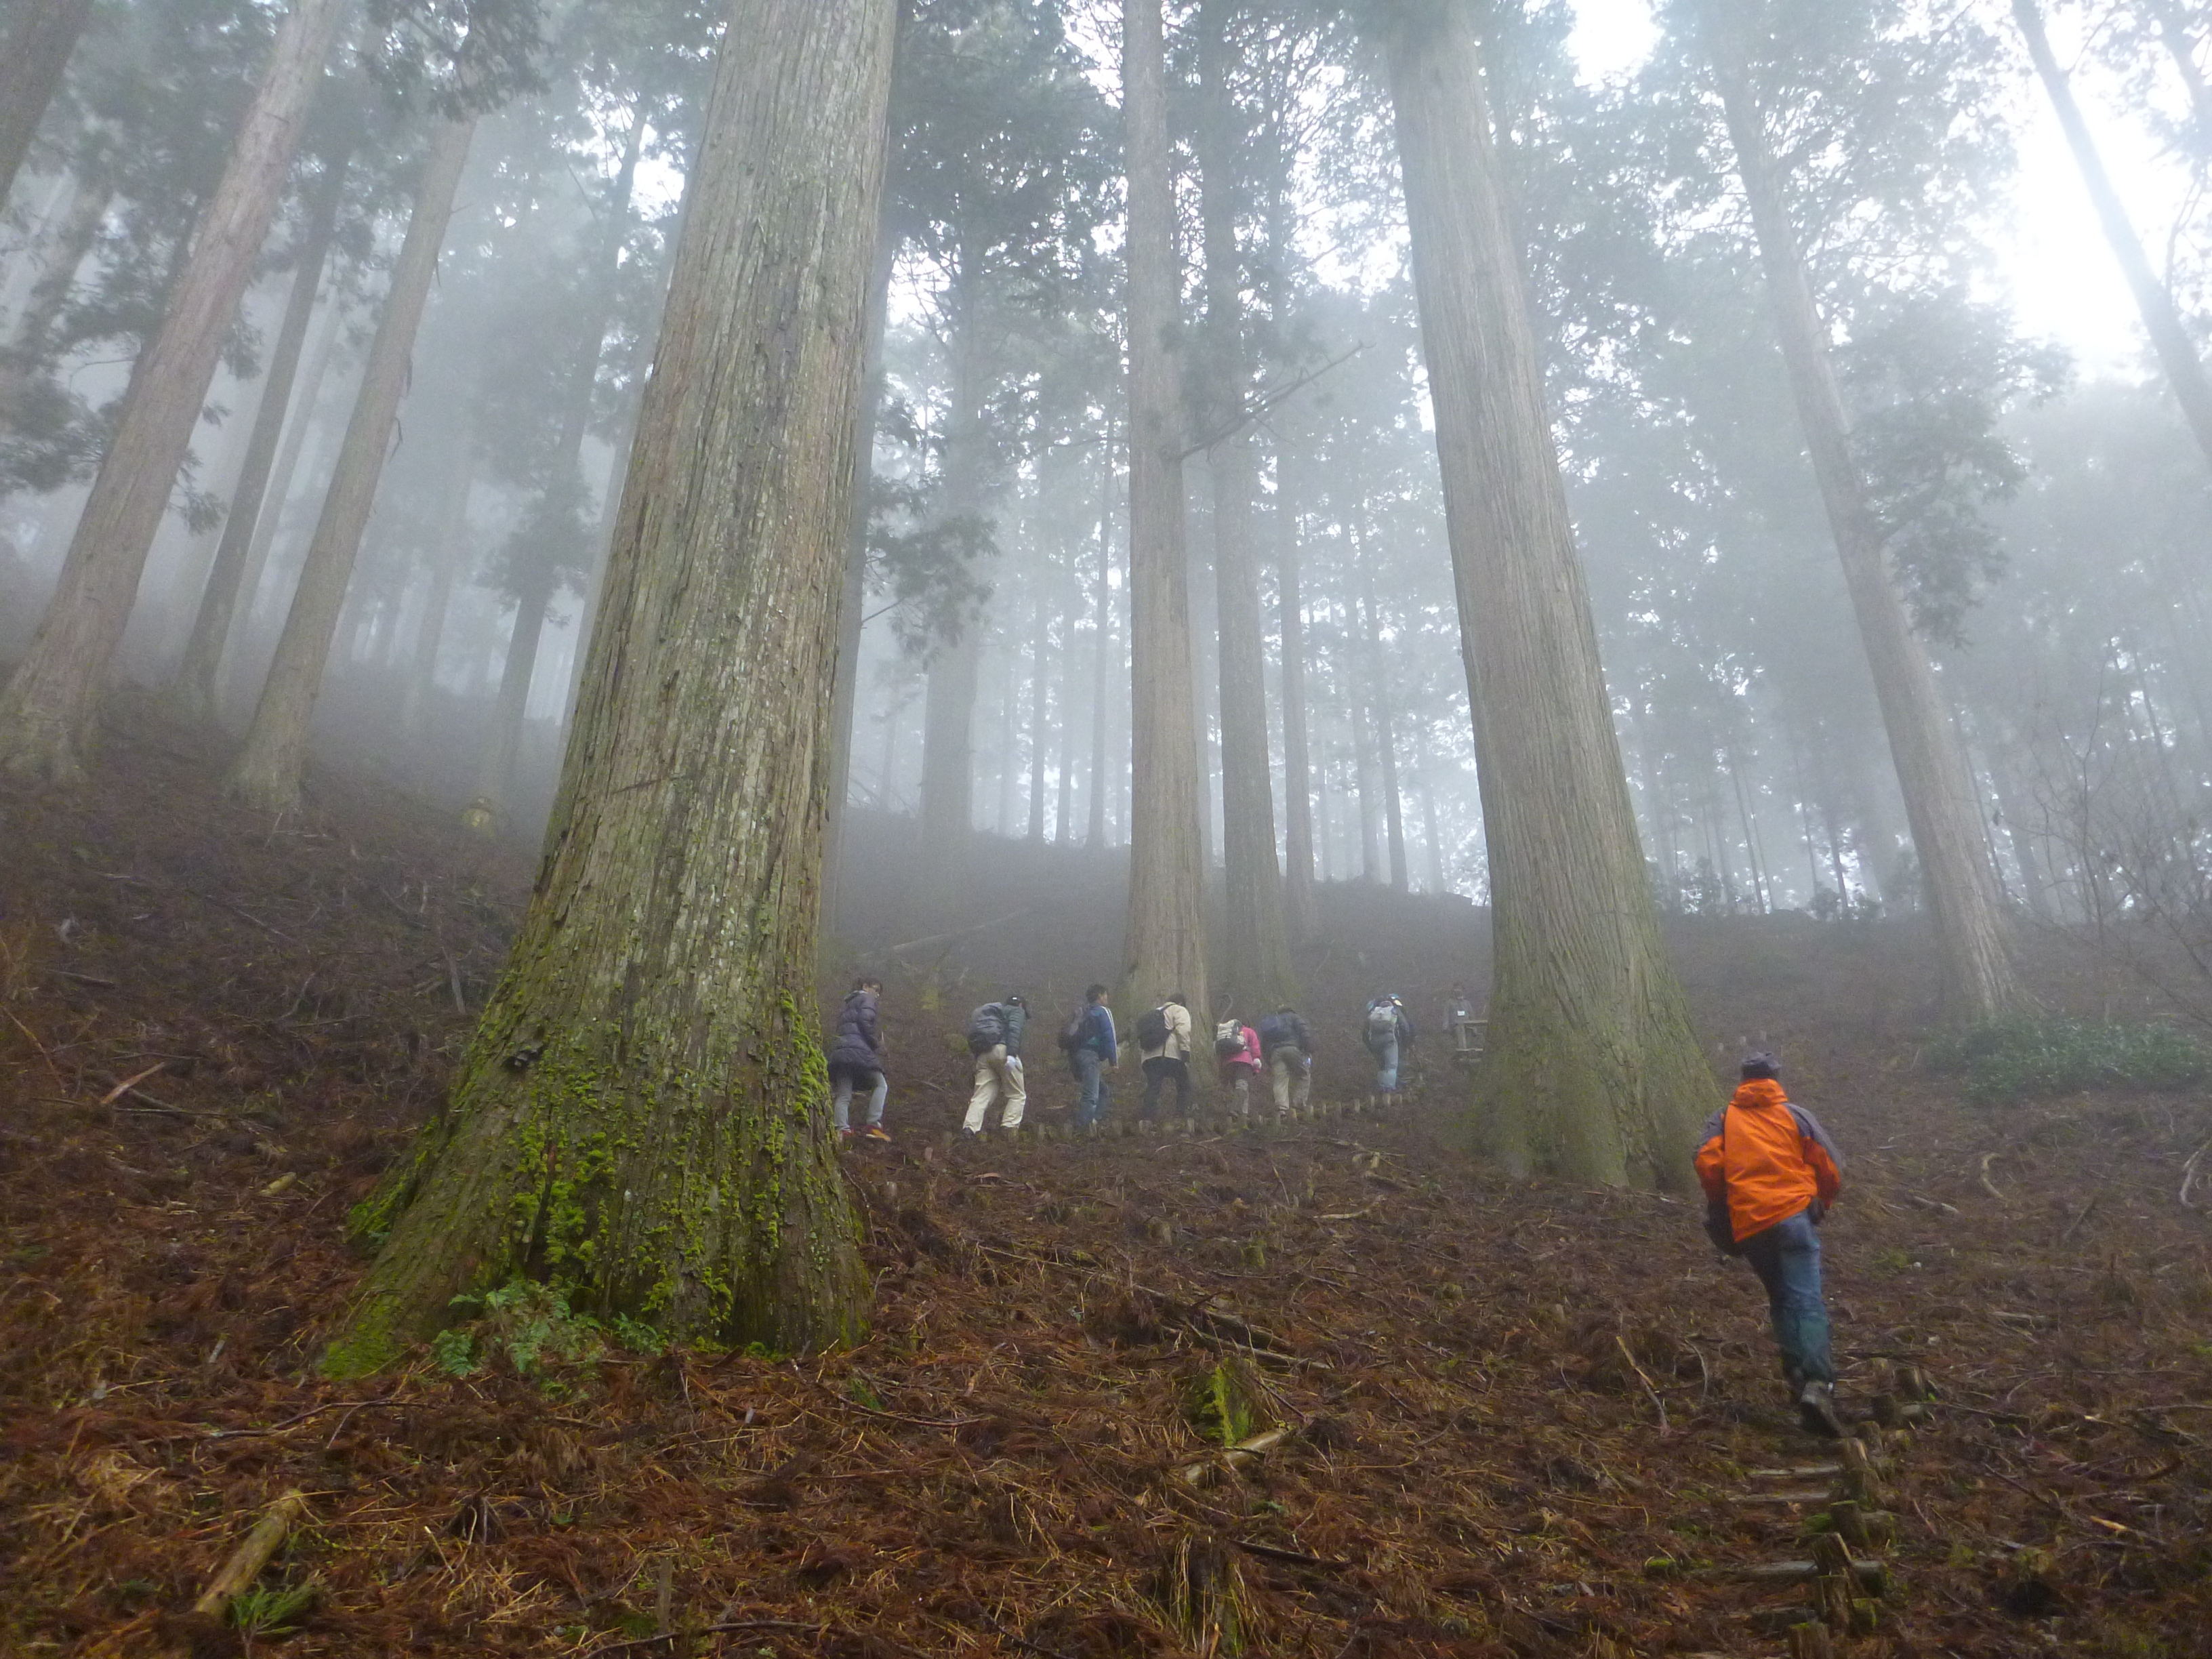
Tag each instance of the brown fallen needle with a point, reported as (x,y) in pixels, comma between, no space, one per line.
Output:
(253,1553)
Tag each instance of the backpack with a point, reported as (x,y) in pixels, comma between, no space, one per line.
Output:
(1277,1032)
(1381,1021)
(1229,1038)
(1071,1035)
(1153,1028)
(987,1028)
(1720,1226)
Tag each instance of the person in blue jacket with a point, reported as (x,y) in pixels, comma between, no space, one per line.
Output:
(1096,1051)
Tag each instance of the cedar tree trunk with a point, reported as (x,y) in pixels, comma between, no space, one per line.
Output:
(52,706)
(1979,980)
(2177,353)
(1164,948)
(32,59)
(643,1116)
(1592,1072)
(267,772)
(1258,971)
(196,682)
(1298,765)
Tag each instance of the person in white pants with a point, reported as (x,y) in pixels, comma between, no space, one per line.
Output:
(998,1072)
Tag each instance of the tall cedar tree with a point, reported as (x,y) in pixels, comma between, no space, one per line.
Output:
(1257,971)
(268,770)
(1163,949)
(642,1116)
(2169,337)
(32,57)
(1980,980)
(51,708)
(1592,1072)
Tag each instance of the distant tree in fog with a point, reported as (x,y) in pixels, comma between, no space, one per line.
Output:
(653,1040)
(34,51)
(51,706)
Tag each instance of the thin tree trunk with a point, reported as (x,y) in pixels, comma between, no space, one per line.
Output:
(1039,727)
(196,682)
(948,742)
(1979,979)
(1297,766)
(1386,727)
(51,708)
(2173,35)
(268,770)
(445,555)
(1430,832)
(1592,1070)
(1355,711)
(32,61)
(1257,973)
(2169,337)
(853,597)
(1063,834)
(28,345)
(642,1116)
(1102,651)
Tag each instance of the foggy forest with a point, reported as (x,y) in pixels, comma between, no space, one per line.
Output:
(1106,829)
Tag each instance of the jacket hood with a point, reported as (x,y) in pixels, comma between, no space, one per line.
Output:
(1759,1093)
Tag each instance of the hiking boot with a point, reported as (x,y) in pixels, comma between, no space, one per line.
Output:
(1816,1410)
(844,1137)
(877,1132)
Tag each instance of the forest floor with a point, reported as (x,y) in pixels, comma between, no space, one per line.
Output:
(1522,1410)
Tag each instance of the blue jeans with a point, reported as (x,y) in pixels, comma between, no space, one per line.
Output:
(1787,1258)
(1385,1050)
(1091,1079)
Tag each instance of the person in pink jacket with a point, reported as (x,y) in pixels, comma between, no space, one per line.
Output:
(1236,1059)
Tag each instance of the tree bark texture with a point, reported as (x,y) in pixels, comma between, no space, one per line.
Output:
(643,1114)
(1164,946)
(49,712)
(561,509)
(1592,1070)
(1939,797)
(32,61)
(2177,352)
(1257,972)
(1101,642)
(196,682)
(267,772)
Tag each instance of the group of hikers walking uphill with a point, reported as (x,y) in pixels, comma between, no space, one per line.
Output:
(1769,1170)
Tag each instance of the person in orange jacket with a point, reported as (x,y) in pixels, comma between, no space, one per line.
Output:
(1770,1173)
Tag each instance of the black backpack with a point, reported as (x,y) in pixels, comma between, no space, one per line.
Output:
(987,1028)
(1277,1032)
(1153,1028)
(1071,1035)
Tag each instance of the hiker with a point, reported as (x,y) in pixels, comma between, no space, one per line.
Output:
(1287,1047)
(1770,1173)
(1093,1051)
(994,1037)
(1164,1048)
(1388,1036)
(856,1060)
(1236,1059)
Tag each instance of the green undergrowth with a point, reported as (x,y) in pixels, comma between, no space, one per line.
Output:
(530,1327)
(2013,1060)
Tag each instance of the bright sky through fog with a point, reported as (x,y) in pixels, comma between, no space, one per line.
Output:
(2064,285)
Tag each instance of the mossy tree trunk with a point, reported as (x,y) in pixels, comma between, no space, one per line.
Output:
(1257,973)
(1592,1072)
(268,770)
(52,704)
(1164,948)
(1942,802)
(643,1113)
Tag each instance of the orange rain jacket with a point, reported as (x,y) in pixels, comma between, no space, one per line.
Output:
(1768,1157)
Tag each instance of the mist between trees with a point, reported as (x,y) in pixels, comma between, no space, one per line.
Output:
(369,296)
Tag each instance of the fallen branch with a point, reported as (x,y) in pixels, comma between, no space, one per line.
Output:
(960,933)
(252,1554)
(1988,1185)
(1243,1454)
(130,1083)
(2188,1173)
